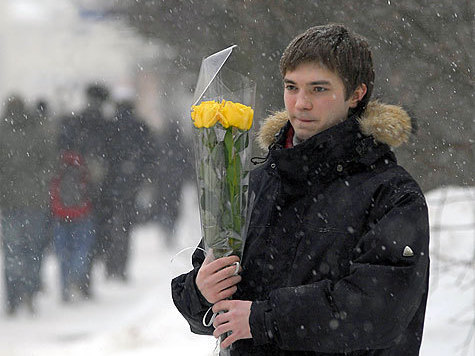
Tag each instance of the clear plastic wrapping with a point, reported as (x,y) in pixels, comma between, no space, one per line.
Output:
(222,116)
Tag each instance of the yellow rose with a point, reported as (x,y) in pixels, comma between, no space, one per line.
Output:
(206,114)
(237,115)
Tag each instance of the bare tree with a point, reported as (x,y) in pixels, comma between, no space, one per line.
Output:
(423,60)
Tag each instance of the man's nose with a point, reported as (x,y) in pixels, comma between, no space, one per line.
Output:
(303,102)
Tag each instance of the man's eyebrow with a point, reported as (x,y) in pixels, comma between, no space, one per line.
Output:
(317,82)
(320,82)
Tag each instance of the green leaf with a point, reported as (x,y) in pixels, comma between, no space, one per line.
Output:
(242,141)
(227,218)
(208,176)
(228,144)
(217,158)
(210,137)
(211,203)
(223,184)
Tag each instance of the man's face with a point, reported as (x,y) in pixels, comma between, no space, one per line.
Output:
(315,99)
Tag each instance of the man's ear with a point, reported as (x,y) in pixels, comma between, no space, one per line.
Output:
(357,95)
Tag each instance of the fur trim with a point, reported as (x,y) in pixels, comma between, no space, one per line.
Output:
(388,124)
(270,128)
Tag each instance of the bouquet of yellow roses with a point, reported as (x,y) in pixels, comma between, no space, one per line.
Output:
(222,115)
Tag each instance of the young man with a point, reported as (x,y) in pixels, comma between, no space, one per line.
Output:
(336,257)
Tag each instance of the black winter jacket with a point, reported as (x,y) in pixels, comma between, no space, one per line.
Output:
(336,258)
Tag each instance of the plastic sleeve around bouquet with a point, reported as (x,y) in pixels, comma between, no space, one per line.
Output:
(223,181)
(222,117)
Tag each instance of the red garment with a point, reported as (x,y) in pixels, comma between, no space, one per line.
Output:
(289,139)
(57,207)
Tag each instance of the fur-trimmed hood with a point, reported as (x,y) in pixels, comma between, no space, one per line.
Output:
(389,124)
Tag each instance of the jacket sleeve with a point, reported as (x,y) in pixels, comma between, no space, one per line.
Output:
(368,308)
(188,299)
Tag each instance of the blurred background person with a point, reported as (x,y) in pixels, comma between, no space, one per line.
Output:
(130,157)
(26,160)
(46,120)
(84,136)
(95,123)
(73,230)
(172,171)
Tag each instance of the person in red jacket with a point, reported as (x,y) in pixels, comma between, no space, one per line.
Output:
(74,235)
(336,255)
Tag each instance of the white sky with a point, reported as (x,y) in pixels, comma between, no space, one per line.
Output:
(48,50)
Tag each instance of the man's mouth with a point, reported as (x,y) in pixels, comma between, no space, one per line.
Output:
(303,119)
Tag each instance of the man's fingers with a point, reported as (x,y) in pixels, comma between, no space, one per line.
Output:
(222,329)
(223,305)
(223,262)
(227,293)
(226,272)
(220,318)
(232,321)
(229,340)
(216,294)
(216,279)
(228,282)
(224,287)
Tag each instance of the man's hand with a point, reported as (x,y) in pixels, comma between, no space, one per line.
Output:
(216,280)
(234,319)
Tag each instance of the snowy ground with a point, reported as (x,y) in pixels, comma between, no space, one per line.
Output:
(450,317)
(138,318)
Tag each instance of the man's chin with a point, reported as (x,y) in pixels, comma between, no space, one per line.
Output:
(303,135)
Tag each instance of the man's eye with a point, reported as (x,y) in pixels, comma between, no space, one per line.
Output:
(290,87)
(319,89)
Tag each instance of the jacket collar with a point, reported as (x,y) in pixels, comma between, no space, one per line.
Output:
(353,145)
(388,124)
(350,145)
(337,151)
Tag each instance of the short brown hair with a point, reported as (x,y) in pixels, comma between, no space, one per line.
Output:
(341,51)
